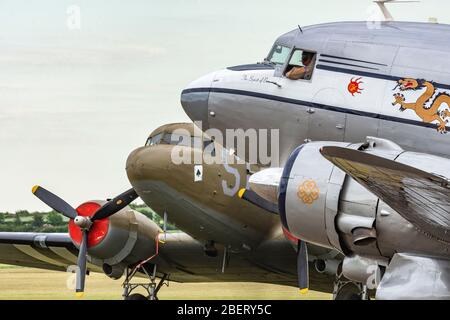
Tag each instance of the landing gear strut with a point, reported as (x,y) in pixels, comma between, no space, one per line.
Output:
(152,288)
(345,289)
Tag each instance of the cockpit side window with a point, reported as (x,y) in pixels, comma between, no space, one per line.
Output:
(154,140)
(301,65)
(176,139)
(279,54)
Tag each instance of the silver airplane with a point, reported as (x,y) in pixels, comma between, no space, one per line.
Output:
(389,82)
(363,117)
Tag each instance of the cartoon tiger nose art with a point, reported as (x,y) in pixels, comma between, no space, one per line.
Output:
(434,112)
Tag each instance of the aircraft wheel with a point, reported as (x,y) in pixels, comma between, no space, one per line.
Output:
(349,291)
(136,296)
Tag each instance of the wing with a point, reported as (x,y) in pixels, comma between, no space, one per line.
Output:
(180,255)
(274,261)
(415,277)
(420,197)
(53,251)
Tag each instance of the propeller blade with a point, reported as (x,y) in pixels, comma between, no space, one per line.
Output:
(258,201)
(302,267)
(116,204)
(81,274)
(54,202)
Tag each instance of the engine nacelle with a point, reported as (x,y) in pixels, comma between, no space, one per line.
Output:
(327,266)
(114,272)
(320,204)
(309,194)
(123,239)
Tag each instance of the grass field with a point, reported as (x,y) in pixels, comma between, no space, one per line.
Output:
(29,283)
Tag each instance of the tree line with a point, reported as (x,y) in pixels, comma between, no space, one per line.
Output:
(52,221)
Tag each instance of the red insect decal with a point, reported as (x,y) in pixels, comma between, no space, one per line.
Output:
(353,86)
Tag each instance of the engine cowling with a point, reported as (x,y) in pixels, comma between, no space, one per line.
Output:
(123,239)
(306,183)
(320,204)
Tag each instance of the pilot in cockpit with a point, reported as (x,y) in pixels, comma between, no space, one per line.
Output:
(305,71)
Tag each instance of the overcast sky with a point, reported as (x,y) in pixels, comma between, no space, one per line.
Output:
(75,102)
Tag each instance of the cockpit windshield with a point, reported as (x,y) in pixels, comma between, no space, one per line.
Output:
(279,54)
(182,140)
(154,140)
(174,139)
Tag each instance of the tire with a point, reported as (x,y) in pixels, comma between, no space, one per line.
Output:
(349,292)
(136,296)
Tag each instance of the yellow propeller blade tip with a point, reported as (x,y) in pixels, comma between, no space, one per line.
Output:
(34,189)
(241,192)
(304,291)
(79,294)
(160,234)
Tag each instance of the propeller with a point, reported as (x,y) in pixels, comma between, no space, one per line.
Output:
(81,263)
(302,267)
(258,201)
(55,202)
(302,250)
(116,204)
(84,222)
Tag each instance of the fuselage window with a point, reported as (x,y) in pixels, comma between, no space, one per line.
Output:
(279,54)
(154,140)
(301,65)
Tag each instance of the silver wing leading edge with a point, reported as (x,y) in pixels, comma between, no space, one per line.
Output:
(420,197)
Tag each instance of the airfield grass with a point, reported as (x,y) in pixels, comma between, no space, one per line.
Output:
(30,284)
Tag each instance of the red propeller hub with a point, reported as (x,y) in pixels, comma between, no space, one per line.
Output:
(98,230)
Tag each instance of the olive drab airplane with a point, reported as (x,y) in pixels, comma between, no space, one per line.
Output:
(224,238)
(364,146)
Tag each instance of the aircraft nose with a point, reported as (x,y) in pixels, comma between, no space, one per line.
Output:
(135,164)
(146,163)
(194,99)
